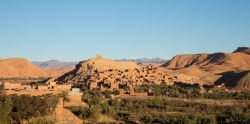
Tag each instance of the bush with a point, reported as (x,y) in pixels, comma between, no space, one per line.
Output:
(146,119)
(26,107)
(206,120)
(42,121)
(232,115)
(94,97)
(244,95)
(82,112)
(5,109)
(107,110)
(123,115)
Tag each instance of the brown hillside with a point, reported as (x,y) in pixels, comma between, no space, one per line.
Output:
(244,82)
(238,80)
(21,68)
(208,66)
(218,62)
(245,50)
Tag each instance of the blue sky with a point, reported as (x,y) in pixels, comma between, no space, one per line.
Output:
(73,30)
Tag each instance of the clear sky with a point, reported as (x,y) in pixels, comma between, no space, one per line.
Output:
(73,30)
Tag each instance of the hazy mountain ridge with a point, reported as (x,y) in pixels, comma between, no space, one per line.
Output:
(57,64)
(54,64)
(156,60)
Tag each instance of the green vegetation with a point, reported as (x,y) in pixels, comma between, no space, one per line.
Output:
(42,121)
(228,95)
(161,110)
(94,97)
(14,109)
(81,112)
(5,109)
(168,104)
(164,110)
(191,91)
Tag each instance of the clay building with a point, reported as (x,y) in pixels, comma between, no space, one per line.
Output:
(104,74)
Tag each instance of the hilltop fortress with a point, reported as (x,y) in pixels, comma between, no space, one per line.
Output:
(105,74)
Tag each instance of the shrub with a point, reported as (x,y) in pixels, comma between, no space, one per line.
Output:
(82,112)
(93,98)
(232,115)
(5,109)
(206,120)
(146,119)
(107,110)
(123,115)
(42,121)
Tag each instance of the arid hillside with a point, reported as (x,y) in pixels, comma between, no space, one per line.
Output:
(211,62)
(245,50)
(236,79)
(208,67)
(21,68)
(244,82)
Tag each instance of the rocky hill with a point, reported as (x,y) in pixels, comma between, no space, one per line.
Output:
(105,72)
(236,79)
(219,62)
(208,66)
(244,82)
(245,50)
(21,68)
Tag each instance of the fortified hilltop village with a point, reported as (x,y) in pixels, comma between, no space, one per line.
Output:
(103,74)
